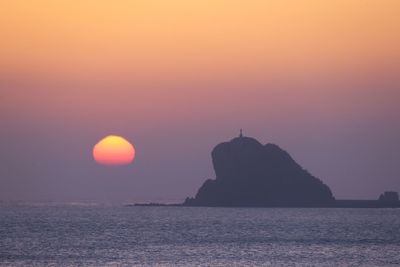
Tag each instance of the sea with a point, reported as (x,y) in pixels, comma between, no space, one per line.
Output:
(78,234)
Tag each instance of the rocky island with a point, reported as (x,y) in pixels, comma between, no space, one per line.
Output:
(251,174)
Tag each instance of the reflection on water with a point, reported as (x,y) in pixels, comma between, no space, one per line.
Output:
(95,235)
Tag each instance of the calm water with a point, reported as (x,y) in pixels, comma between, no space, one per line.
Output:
(75,235)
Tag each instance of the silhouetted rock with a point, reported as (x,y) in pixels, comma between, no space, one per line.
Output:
(389,197)
(250,174)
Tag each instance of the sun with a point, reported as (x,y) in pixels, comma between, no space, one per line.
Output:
(113,150)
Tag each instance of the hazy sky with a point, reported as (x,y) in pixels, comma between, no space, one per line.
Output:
(319,78)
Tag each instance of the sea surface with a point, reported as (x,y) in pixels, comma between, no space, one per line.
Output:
(117,235)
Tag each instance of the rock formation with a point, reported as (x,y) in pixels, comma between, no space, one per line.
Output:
(251,174)
(389,197)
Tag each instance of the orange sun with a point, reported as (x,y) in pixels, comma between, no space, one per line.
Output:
(113,150)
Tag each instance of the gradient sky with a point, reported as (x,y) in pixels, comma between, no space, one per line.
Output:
(319,78)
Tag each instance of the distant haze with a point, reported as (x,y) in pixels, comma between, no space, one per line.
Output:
(175,78)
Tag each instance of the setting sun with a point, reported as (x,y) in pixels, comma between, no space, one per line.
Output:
(113,150)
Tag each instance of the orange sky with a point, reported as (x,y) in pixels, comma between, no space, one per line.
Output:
(320,78)
(161,38)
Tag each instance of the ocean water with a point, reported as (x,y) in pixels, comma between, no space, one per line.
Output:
(114,235)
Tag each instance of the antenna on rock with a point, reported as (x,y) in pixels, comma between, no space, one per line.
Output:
(241,133)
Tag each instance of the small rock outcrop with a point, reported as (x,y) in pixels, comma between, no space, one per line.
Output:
(251,174)
(389,197)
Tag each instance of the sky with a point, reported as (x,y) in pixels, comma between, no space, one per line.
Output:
(319,78)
